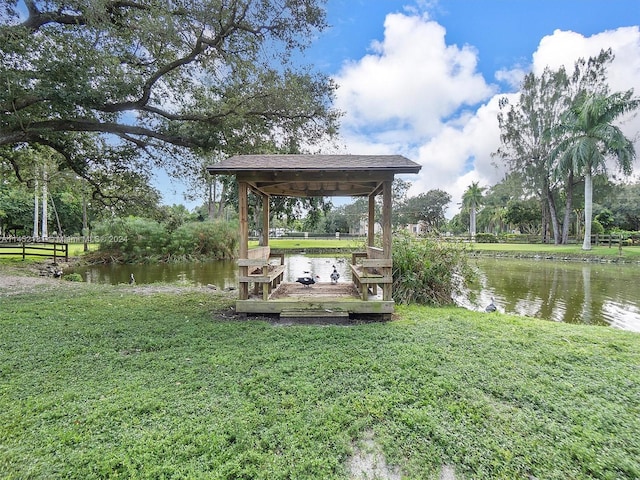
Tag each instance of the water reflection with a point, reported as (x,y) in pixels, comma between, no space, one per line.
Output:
(298,265)
(572,292)
(222,274)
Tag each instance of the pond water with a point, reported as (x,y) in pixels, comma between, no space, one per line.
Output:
(573,292)
(223,273)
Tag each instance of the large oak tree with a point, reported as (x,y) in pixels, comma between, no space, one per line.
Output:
(120,87)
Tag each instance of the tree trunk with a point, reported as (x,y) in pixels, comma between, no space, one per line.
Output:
(567,210)
(85,229)
(36,208)
(55,212)
(211,202)
(552,213)
(472,221)
(588,207)
(45,214)
(545,222)
(221,203)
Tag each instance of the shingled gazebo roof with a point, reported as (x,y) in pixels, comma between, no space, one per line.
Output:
(315,175)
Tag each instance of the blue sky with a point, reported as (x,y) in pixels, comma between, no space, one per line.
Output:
(505,32)
(422,78)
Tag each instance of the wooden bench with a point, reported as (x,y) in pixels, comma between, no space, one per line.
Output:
(369,269)
(259,270)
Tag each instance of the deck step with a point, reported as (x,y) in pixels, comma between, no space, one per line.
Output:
(313,314)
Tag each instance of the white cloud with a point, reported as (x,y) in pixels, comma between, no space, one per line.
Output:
(511,76)
(409,83)
(415,95)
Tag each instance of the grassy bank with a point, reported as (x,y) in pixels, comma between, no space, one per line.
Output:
(107,382)
(559,251)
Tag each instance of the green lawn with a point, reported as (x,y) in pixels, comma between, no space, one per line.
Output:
(632,253)
(106,382)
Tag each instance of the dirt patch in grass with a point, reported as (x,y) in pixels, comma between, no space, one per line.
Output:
(368,461)
(16,284)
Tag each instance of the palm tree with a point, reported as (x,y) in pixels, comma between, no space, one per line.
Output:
(589,138)
(472,199)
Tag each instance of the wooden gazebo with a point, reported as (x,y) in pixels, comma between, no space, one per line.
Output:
(315,176)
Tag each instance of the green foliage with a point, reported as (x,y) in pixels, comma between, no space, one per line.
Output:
(472,199)
(523,214)
(531,138)
(606,219)
(73,277)
(103,382)
(205,239)
(134,239)
(596,227)
(16,209)
(590,137)
(428,272)
(486,238)
(427,208)
(129,85)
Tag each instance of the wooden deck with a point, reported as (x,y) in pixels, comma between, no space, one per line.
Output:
(321,300)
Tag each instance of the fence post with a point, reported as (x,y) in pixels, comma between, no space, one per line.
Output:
(55,245)
(23,252)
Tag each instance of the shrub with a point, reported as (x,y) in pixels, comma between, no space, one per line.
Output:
(135,239)
(209,239)
(486,238)
(73,277)
(428,272)
(596,227)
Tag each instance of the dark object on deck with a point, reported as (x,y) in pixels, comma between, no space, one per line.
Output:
(334,275)
(491,307)
(307,280)
(132,279)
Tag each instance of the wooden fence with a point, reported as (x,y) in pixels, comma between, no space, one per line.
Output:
(613,240)
(56,250)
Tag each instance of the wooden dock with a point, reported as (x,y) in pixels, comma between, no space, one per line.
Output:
(321,300)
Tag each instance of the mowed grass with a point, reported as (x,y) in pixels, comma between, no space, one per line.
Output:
(106,382)
(628,252)
(631,253)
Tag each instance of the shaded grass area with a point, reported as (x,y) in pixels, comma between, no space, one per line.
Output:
(104,383)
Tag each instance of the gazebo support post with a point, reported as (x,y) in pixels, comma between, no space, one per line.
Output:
(371,230)
(265,220)
(386,233)
(243,207)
